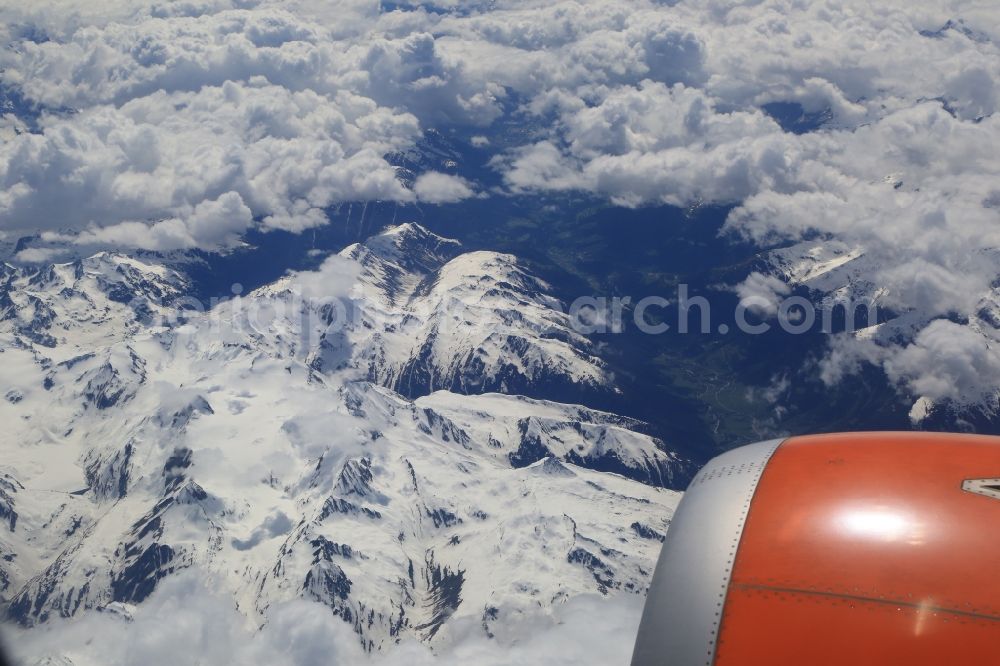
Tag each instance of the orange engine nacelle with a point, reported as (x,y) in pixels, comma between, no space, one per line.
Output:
(853,549)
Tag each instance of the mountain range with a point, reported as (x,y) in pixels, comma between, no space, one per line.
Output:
(356,435)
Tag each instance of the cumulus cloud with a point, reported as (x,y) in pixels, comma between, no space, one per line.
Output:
(185,622)
(657,144)
(435,187)
(150,114)
(209,224)
(189,129)
(948,361)
(762,293)
(193,169)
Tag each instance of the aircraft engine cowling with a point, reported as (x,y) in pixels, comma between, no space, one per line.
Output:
(850,549)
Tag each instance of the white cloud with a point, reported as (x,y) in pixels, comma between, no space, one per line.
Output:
(762,293)
(185,622)
(181,119)
(434,187)
(948,361)
(191,169)
(38,255)
(847,356)
(209,224)
(653,143)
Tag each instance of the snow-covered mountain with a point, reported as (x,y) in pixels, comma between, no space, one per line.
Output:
(353,436)
(468,322)
(940,358)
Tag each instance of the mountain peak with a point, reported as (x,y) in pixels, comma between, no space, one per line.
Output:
(411,246)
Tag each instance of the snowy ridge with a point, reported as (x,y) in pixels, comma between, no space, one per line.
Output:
(430,318)
(75,306)
(266,455)
(525,431)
